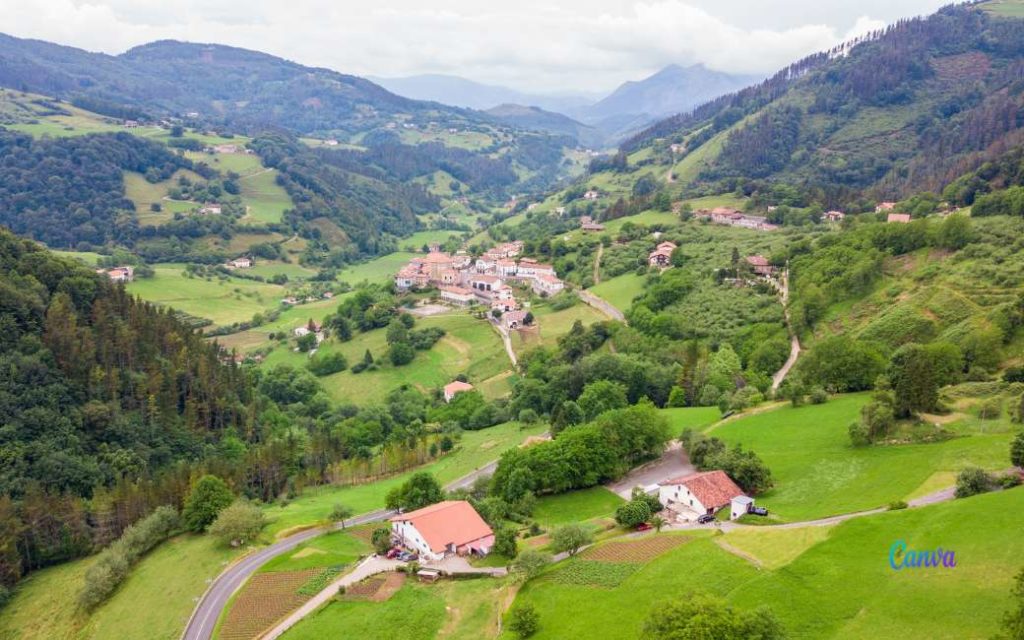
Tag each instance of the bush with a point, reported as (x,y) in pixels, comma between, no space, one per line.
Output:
(505,542)
(972,481)
(818,396)
(1017,450)
(570,538)
(325,364)
(238,523)
(401,353)
(524,621)
(529,564)
(113,564)
(897,505)
(1009,480)
(381,540)
(633,513)
(204,502)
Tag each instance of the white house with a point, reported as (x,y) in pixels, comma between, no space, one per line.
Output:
(548,285)
(447,528)
(241,263)
(699,493)
(458,296)
(740,506)
(453,388)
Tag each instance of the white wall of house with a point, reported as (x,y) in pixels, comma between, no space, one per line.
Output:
(678,493)
(407,534)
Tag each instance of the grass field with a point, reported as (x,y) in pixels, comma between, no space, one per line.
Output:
(475,449)
(576,506)
(222,301)
(552,324)
(377,271)
(469,347)
(823,583)
(153,603)
(329,550)
(290,269)
(1007,8)
(818,473)
(265,200)
(416,241)
(620,290)
(696,418)
(88,257)
(456,610)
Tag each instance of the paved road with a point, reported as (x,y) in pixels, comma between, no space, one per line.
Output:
(601,305)
(672,464)
(204,617)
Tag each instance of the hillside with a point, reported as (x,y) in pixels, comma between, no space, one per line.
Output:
(541,120)
(904,110)
(461,92)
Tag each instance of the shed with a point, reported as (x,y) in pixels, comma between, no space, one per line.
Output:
(740,506)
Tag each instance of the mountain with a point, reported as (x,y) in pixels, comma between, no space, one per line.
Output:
(906,109)
(461,92)
(540,120)
(674,89)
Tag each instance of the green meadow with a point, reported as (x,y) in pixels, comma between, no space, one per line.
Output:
(377,271)
(823,583)
(818,473)
(620,290)
(576,506)
(222,301)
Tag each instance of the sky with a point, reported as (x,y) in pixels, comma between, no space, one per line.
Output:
(540,46)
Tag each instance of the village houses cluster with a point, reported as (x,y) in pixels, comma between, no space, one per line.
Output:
(463,281)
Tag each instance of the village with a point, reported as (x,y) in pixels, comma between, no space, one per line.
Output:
(465,282)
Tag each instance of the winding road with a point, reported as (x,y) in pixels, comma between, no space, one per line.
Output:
(794,340)
(212,603)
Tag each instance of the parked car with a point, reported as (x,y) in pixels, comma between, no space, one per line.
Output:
(394,553)
(643,526)
(758,511)
(404,556)
(706,518)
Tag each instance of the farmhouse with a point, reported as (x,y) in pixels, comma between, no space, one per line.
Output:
(547,285)
(514,320)
(118,274)
(591,195)
(458,296)
(885,206)
(453,388)
(900,218)
(834,216)
(447,528)
(241,263)
(761,265)
(587,224)
(662,255)
(699,493)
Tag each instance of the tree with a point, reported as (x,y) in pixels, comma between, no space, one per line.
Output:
(397,332)
(381,540)
(177,131)
(306,342)
(238,523)
(601,396)
(401,353)
(633,513)
(208,496)
(324,364)
(529,564)
(570,538)
(1017,450)
(913,378)
(419,491)
(658,522)
(524,621)
(505,542)
(973,481)
(704,617)
(1013,621)
(340,513)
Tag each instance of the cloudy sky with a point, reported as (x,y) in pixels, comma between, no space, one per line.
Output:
(534,45)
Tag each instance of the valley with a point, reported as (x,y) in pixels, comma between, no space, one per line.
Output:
(288,355)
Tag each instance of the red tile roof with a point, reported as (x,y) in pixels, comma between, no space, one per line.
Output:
(452,522)
(898,217)
(714,489)
(457,386)
(758,261)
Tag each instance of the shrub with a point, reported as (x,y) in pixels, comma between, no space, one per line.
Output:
(381,540)
(818,396)
(1017,450)
(633,513)
(1009,480)
(505,542)
(529,564)
(401,353)
(972,481)
(703,616)
(897,505)
(238,523)
(113,564)
(326,364)
(524,621)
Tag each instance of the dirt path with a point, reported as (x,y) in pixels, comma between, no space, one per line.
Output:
(506,339)
(720,541)
(597,264)
(794,344)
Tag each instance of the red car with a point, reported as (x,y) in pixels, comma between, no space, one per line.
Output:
(643,526)
(393,553)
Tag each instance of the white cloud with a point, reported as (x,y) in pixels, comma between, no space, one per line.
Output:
(529,44)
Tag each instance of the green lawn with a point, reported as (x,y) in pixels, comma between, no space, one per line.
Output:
(420,238)
(290,269)
(153,603)
(474,450)
(696,418)
(329,550)
(88,257)
(553,324)
(266,201)
(620,290)
(576,506)
(831,584)
(818,473)
(377,271)
(222,301)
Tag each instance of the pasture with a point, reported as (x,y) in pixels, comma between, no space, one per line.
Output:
(551,324)
(377,271)
(620,290)
(576,506)
(821,583)
(818,473)
(222,301)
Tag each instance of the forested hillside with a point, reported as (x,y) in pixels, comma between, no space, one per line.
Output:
(907,109)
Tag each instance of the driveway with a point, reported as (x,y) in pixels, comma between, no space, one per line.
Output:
(672,464)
